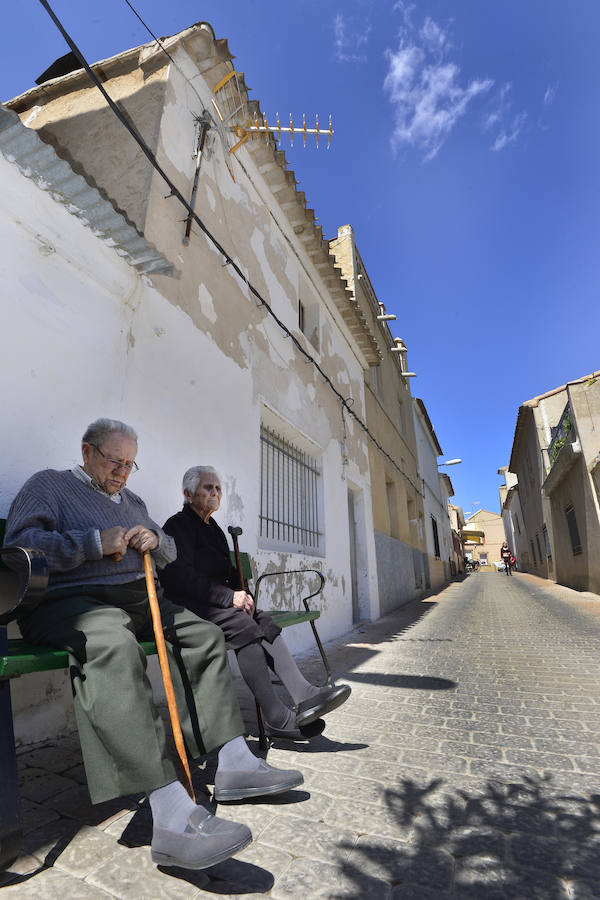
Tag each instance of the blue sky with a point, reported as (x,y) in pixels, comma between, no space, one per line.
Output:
(466,156)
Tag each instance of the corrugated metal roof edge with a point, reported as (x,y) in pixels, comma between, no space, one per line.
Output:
(40,162)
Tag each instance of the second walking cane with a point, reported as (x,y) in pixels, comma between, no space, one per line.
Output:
(235,532)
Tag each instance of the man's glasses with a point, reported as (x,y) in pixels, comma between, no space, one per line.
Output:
(128,466)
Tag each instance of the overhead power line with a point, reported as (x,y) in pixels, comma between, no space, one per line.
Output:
(175,192)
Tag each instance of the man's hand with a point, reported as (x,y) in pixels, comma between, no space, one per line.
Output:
(243,601)
(141,538)
(113,541)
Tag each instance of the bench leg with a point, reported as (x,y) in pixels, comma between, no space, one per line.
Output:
(322,652)
(11,832)
(262,738)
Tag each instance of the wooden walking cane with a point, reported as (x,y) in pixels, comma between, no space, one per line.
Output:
(165,671)
(235,533)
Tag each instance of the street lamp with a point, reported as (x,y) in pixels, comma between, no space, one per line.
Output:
(451,462)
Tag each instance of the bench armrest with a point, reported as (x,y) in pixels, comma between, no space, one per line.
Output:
(24,583)
(293,572)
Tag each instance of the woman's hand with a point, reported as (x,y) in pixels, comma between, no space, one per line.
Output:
(243,601)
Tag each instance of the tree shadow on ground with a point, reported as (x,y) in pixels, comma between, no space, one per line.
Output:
(496,841)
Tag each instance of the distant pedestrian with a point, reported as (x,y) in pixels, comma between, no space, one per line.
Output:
(507,557)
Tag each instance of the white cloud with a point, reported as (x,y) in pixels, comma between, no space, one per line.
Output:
(491,120)
(425,88)
(549,95)
(503,120)
(347,42)
(509,135)
(433,36)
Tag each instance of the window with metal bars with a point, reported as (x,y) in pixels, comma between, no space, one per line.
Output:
(539,549)
(533,556)
(436,539)
(290,485)
(547,542)
(573,530)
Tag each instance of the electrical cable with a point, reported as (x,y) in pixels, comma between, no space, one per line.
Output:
(175,192)
(164,49)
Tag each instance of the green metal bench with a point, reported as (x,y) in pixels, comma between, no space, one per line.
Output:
(23,585)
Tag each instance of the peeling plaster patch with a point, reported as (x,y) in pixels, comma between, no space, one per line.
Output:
(45,247)
(281,350)
(158,331)
(244,343)
(277,590)
(295,399)
(180,135)
(291,273)
(257,243)
(228,189)
(32,115)
(235,504)
(130,338)
(311,392)
(206,304)
(212,200)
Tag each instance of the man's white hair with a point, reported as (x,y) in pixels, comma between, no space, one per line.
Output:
(97,432)
(193,476)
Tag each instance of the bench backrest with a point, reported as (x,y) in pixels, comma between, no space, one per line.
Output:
(246,565)
(2,532)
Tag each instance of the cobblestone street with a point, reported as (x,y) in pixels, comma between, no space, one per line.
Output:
(466,764)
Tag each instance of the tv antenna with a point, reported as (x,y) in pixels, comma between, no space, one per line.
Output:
(231,110)
(230,106)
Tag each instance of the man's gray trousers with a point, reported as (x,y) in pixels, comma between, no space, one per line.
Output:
(122,736)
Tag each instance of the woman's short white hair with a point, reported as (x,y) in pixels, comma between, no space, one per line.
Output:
(193,476)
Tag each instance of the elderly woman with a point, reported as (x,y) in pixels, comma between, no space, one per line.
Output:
(203,579)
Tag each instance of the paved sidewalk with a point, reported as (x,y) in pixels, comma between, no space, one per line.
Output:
(466,764)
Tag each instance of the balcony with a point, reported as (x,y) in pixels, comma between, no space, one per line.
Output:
(563,452)
(563,433)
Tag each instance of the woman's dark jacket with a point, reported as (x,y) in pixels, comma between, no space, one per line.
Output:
(203,579)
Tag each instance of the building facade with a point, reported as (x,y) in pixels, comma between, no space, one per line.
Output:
(483,535)
(436,488)
(398,517)
(555,457)
(512,515)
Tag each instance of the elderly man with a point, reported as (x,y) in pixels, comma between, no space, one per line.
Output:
(93,530)
(203,579)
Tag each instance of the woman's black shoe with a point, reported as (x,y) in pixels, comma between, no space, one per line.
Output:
(323,702)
